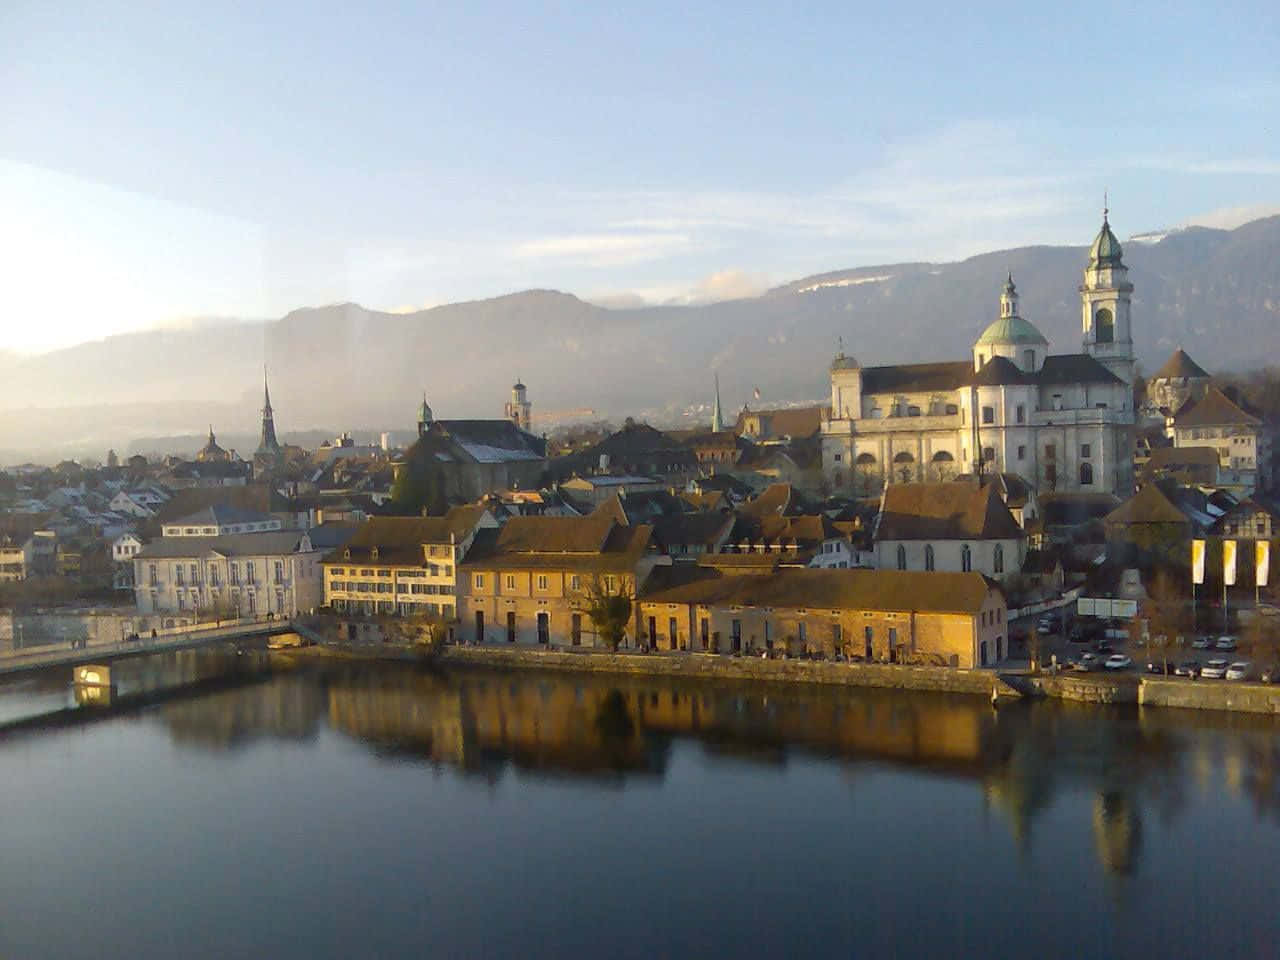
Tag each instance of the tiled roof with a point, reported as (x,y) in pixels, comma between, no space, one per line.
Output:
(1180,366)
(1215,408)
(266,544)
(945,511)
(794,588)
(704,529)
(776,500)
(593,543)
(399,540)
(220,514)
(794,422)
(1148,505)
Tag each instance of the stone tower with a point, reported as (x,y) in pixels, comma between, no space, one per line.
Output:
(1104,301)
(519,410)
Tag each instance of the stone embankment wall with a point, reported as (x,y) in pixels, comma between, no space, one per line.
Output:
(711,666)
(1210,695)
(1085,689)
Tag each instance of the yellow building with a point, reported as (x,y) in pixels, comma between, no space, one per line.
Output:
(528,582)
(947,619)
(403,565)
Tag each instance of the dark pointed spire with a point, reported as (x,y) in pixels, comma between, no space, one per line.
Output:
(267,443)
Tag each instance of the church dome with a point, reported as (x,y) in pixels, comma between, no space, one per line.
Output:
(841,362)
(1011,330)
(1106,250)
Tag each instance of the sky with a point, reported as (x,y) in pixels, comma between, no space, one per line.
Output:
(164,164)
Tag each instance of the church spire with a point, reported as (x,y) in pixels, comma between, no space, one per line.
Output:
(717,418)
(267,443)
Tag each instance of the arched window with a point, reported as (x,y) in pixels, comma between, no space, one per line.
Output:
(997,563)
(902,557)
(928,556)
(1086,474)
(966,558)
(865,459)
(903,456)
(1104,326)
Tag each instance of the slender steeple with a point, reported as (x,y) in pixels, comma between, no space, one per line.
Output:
(717,418)
(268,443)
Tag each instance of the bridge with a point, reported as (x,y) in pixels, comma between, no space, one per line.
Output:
(27,662)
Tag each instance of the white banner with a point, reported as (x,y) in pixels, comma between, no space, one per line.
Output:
(1197,561)
(1262,562)
(1229,562)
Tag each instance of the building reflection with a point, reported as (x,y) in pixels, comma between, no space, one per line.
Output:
(1115,766)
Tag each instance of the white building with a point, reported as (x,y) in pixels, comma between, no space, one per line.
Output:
(957,527)
(238,574)
(1062,422)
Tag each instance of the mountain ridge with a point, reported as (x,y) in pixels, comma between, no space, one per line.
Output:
(1215,292)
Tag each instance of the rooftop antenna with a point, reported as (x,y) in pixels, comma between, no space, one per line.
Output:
(1106,206)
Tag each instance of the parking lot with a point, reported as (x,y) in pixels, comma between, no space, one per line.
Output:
(1071,637)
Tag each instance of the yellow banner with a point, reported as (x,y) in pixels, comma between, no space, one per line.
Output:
(1262,562)
(1229,562)
(1197,561)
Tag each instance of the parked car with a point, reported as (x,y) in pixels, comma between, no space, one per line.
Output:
(1088,662)
(1156,668)
(1048,623)
(1118,661)
(1103,645)
(1214,670)
(1202,643)
(1239,670)
(1270,674)
(1187,668)
(1225,643)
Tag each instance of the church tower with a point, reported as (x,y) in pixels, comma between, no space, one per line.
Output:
(519,410)
(717,418)
(267,444)
(1104,300)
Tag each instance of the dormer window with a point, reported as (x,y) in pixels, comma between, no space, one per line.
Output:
(346,554)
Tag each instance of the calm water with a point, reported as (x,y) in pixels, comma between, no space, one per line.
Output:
(381,811)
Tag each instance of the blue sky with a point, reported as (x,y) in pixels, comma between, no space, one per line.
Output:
(161,163)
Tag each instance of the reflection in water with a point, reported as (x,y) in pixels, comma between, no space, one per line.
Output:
(1022,757)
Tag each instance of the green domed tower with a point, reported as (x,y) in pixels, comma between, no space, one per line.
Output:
(1010,336)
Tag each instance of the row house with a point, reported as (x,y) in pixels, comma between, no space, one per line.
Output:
(945,619)
(530,582)
(404,566)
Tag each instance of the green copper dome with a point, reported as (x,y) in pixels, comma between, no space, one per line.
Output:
(1106,250)
(1011,330)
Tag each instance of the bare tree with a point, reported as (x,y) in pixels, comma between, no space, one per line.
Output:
(1167,614)
(609,609)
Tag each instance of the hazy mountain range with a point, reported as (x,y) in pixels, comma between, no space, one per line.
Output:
(1216,292)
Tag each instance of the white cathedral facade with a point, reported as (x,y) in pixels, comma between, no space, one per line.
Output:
(1063,422)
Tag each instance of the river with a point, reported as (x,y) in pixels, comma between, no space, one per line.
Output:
(383,810)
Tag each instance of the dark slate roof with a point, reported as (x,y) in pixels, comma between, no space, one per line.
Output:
(326,536)
(704,529)
(916,377)
(1215,408)
(1074,509)
(1000,372)
(796,588)
(945,511)
(268,543)
(1180,366)
(1074,368)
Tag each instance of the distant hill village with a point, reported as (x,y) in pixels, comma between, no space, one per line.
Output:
(904,521)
